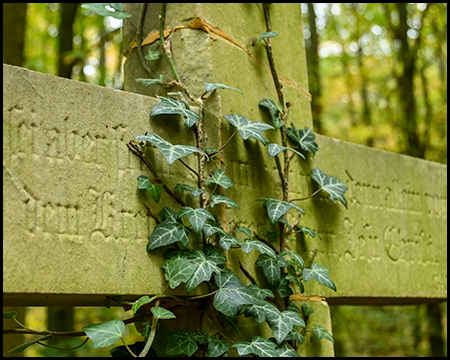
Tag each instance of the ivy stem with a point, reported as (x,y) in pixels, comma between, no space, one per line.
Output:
(203,296)
(310,196)
(314,253)
(166,44)
(135,149)
(195,172)
(151,337)
(229,139)
(139,40)
(129,350)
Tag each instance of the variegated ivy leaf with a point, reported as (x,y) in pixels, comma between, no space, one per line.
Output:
(194,191)
(114,10)
(266,35)
(227,240)
(171,152)
(154,190)
(172,106)
(261,310)
(232,293)
(259,346)
(211,227)
(320,273)
(210,87)
(331,185)
(308,231)
(305,137)
(247,128)
(162,313)
(168,232)
(283,323)
(197,217)
(217,347)
(181,342)
(147,82)
(277,208)
(321,333)
(275,149)
(286,350)
(271,267)
(221,179)
(105,334)
(293,256)
(218,199)
(274,112)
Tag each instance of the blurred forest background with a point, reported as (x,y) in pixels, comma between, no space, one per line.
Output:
(378,77)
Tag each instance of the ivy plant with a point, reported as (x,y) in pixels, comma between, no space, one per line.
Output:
(196,242)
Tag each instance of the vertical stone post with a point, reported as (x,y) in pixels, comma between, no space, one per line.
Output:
(212,43)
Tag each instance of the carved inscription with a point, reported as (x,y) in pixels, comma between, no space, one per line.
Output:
(71,181)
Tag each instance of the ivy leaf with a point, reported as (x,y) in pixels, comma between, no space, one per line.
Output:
(178,268)
(173,106)
(266,35)
(274,112)
(197,217)
(154,190)
(22,347)
(141,301)
(231,294)
(261,310)
(308,231)
(218,199)
(153,55)
(286,350)
(114,10)
(282,286)
(294,256)
(250,244)
(304,137)
(322,333)
(168,232)
(170,152)
(162,313)
(211,228)
(217,347)
(211,87)
(259,346)
(277,208)
(275,149)
(194,191)
(320,273)
(271,267)
(206,262)
(247,128)
(221,179)
(105,334)
(148,82)
(227,240)
(180,342)
(331,185)
(282,324)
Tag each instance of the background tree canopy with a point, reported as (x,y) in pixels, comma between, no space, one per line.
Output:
(378,77)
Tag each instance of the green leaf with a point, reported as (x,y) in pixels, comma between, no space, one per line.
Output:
(114,10)
(210,87)
(153,55)
(212,228)
(9,315)
(170,152)
(308,231)
(217,347)
(271,267)
(180,342)
(304,137)
(172,106)
(282,324)
(139,302)
(320,273)
(218,199)
(178,268)
(274,112)
(194,191)
(168,232)
(322,333)
(250,244)
(307,310)
(298,259)
(227,240)
(200,337)
(206,262)
(275,149)
(105,334)
(266,35)
(197,217)
(154,190)
(286,350)
(231,294)
(331,185)
(148,82)
(221,179)
(259,346)
(162,313)
(277,208)
(247,128)
(261,310)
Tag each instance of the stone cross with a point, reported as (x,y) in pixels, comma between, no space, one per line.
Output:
(74,225)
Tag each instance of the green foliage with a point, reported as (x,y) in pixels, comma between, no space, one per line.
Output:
(105,334)
(108,9)
(247,128)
